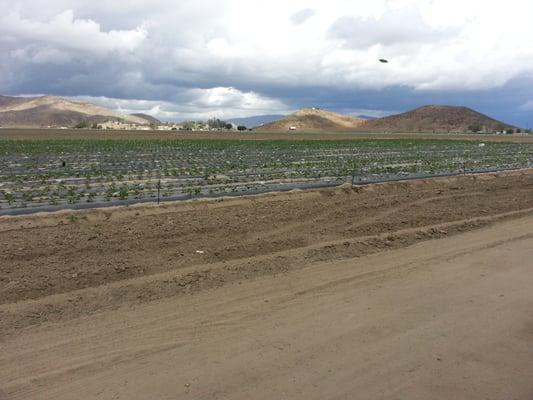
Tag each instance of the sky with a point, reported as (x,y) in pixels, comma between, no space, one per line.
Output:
(196,59)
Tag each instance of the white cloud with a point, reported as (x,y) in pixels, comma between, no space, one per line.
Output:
(162,46)
(220,102)
(65,33)
(395,27)
(301,16)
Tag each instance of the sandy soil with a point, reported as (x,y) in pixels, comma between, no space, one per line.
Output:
(28,134)
(408,290)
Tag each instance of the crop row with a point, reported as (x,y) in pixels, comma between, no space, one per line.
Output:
(41,173)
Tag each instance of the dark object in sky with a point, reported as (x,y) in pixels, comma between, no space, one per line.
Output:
(382,60)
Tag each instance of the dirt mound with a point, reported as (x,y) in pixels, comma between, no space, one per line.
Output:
(442,119)
(313,119)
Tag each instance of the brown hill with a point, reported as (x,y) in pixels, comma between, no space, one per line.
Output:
(147,117)
(313,119)
(6,101)
(442,119)
(56,111)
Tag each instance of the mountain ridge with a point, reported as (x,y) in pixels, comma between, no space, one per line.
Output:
(436,118)
(425,119)
(57,111)
(314,119)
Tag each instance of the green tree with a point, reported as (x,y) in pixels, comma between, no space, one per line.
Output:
(475,127)
(82,125)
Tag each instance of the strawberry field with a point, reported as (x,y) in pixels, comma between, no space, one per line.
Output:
(54,174)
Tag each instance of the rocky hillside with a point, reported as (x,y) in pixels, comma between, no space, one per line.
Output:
(442,119)
(57,112)
(313,119)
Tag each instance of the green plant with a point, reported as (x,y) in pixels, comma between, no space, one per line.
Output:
(73,218)
(10,198)
(123,193)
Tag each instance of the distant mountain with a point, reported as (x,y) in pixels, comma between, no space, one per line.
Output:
(257,120)
(149,118)
(313,119)
(56,111)
(367,117)
(442,119)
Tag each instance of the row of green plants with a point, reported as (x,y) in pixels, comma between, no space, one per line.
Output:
(40,172)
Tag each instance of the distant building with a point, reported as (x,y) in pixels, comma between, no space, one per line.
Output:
(122,126)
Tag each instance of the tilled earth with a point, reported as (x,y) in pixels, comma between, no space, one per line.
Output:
(59,266)
(76,134)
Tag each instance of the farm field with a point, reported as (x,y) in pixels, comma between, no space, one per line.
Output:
(74,134)
(415,289)
(47,175)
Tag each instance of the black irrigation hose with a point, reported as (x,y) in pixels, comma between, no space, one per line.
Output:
(279,188)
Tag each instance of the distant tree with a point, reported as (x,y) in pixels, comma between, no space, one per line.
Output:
(188,125)
(241,128)
(82,125)
(509,131)
(518,130)
(229,126)
(501,128)
(215,123)
(94,125)
(475,127)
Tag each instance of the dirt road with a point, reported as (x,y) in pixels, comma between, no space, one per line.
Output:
(418,290)
(450,318)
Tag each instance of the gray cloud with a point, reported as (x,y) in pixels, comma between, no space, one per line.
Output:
(394,27)
(301,16)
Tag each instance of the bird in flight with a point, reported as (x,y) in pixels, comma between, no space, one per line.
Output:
(382,60)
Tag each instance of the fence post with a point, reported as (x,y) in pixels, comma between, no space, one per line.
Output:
(158,190)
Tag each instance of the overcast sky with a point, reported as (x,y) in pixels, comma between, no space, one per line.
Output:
(229,58)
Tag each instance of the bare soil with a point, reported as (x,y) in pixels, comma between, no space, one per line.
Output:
(405,290)
(31,134)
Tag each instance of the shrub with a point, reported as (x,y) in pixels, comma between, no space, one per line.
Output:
(82,125)
(475,127)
